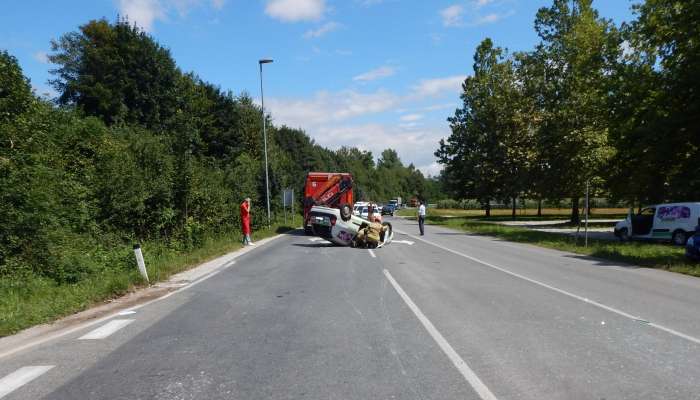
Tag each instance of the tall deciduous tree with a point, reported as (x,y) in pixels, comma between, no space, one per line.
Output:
(577,53)
(116,72)
(657,105)
(490,152)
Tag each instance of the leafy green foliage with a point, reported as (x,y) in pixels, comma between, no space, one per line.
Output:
(592,104)
(138,151)
(117,73)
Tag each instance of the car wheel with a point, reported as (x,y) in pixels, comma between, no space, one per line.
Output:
(345,212)
(679,238)
(624,235)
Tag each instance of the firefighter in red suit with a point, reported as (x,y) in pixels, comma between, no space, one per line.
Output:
(245,222)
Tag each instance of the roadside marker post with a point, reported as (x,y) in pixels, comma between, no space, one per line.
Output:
(587,212)
(139,261)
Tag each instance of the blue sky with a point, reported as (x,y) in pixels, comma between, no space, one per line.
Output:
(367,73)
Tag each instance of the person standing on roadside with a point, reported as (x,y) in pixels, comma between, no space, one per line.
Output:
(421,218)
(245,222)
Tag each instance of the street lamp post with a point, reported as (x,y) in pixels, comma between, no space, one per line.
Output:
(262,101)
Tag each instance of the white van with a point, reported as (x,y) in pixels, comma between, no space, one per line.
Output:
(675,222)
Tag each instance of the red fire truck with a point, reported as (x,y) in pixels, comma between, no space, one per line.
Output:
(327,189)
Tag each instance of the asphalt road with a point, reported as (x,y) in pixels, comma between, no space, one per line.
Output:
(444,316)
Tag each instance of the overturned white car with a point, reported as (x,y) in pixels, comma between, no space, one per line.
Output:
(343,228)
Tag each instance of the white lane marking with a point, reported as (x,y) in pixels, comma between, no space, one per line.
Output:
(481,389)
(564,292)
(107,317)
(408,242)
(21,377)
(316,239)
(371,253)
(127,312)
(106,330)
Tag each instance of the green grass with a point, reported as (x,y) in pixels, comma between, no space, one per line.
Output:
(34,300)
(651,255)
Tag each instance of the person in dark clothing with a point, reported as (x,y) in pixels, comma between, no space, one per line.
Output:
(421,218)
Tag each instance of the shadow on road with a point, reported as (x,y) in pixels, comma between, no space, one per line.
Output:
(291,231)
(314,245)
(601,262)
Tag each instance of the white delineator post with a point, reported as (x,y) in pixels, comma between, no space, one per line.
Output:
(140,262)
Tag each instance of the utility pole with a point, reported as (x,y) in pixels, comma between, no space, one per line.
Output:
(267,175)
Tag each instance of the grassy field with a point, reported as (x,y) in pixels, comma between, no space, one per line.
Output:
(35,300)
(528,214)
(651,255)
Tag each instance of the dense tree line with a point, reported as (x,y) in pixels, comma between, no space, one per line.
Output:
(133,149)
(615,107)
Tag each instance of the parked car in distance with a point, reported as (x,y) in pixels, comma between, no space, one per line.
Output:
(357,208)
(675,222)
(376,212)
(388,210)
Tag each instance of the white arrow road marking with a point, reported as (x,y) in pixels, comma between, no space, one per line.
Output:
(21,377)
(408,242)
(107,329)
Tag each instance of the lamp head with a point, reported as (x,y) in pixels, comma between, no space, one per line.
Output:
(265,61)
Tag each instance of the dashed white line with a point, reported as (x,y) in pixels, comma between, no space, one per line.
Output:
(481,389)
(564,292)
(107,329)
(21,377)
(371,253)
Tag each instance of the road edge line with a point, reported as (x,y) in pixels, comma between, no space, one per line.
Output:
(561,291)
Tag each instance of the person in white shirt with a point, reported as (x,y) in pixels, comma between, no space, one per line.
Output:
(421,218)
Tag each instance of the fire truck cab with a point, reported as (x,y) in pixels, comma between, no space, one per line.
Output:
(328,189)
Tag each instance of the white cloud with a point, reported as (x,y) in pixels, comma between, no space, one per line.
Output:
(482,3)
(438,107)
(452,15)
(373,75)
(42,57)
(411,117)
(438,86)
(326,107)
(368,3)
(296,10)
(492,18)
(414,146)
(432,169)
(335,119)
(322,30)
(144,13)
